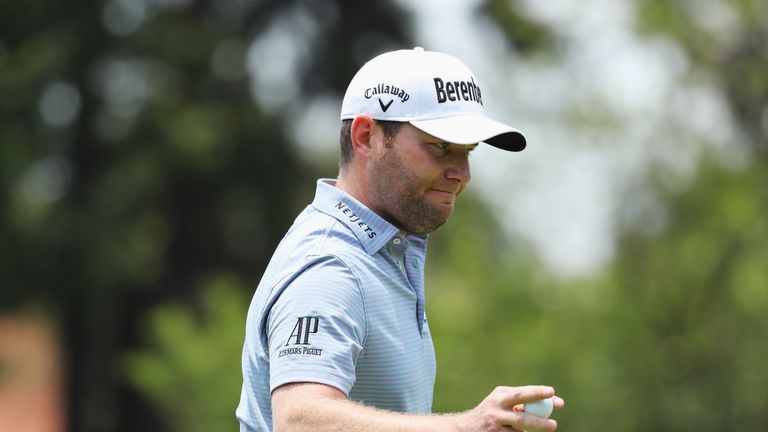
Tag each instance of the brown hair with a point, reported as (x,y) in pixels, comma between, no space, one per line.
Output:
(390,129)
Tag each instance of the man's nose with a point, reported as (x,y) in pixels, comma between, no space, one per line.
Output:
(458,168)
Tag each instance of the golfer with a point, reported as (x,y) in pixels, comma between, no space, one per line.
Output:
(337,338)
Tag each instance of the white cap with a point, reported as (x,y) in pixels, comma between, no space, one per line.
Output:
(434,92)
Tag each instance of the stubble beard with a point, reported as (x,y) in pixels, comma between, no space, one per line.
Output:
(400,199)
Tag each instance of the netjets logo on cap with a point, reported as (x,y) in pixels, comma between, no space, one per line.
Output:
(457,91)
(384,90)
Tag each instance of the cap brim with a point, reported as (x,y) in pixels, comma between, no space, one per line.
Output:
(471,129)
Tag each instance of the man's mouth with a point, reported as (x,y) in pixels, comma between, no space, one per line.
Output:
(446,197)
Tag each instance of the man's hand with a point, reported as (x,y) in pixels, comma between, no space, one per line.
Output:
(502,410)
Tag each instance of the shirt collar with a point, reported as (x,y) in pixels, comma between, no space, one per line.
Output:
(371,230)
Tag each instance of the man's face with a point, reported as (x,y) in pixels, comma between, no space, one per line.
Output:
(416,178)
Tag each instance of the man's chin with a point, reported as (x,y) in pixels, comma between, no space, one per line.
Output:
(432,224)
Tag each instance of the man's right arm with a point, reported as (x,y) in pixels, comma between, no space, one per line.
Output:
(300,407)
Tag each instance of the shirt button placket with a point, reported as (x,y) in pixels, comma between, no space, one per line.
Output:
(397,249)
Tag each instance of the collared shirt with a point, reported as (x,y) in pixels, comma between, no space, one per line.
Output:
(341,303)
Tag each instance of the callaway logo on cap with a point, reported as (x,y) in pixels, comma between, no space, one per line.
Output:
(435,92)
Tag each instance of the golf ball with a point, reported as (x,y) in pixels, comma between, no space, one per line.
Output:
(541,408)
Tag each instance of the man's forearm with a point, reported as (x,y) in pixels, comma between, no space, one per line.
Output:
(321,413)
(308,407)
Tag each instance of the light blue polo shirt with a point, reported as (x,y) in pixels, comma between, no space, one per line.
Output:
(341,303)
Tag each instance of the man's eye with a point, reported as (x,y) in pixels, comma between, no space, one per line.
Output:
(440,146)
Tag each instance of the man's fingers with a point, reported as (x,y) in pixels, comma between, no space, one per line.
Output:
(523,421)
(507,405)
(510,396)
(558,402)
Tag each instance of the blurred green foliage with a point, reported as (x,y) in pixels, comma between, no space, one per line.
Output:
(190,368)
(144,221)
(697,292)
(725,40)
(136,160)
(672,335)
(523,34)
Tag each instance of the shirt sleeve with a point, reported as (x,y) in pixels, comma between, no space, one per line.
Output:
(316,327)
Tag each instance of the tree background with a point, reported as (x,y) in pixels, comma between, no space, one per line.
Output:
(146,178)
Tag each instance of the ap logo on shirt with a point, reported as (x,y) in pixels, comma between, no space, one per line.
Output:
(304,327)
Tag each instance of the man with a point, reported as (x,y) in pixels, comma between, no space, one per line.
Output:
(337,337)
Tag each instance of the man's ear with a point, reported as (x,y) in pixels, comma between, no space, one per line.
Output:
(363,135)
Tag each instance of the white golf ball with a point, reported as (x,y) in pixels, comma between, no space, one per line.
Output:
(540,408)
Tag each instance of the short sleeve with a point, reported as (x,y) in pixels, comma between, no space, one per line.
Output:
(316,327)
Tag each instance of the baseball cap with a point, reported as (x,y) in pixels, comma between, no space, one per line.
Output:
(434,92)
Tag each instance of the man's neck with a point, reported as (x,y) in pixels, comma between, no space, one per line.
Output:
(355,189)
